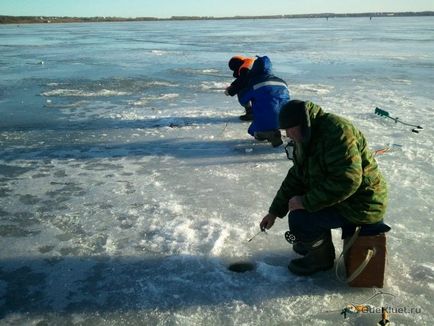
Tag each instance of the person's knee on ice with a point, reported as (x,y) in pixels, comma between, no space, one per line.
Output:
(273,136)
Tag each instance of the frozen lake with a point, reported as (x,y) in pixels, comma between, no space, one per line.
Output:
(128,183)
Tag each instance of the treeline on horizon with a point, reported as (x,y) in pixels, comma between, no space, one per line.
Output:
(55,19)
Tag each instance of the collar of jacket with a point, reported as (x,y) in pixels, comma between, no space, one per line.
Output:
(313,115)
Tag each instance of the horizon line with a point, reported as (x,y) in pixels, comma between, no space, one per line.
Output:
(324,14)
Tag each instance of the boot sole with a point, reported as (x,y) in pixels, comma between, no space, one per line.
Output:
(302,253)
(308,273)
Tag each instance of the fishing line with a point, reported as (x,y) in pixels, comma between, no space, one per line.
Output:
(245,266)
(256,235)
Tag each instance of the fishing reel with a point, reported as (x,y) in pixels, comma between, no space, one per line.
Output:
(290,237)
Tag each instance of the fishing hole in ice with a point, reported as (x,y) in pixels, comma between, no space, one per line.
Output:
(241,267)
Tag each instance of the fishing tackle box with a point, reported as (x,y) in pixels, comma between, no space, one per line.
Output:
(369,250)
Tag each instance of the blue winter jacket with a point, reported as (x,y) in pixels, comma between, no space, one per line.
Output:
(267,93)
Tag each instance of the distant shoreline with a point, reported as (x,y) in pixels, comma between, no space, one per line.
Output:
(56,19)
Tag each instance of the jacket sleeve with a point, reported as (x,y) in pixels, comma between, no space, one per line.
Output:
(343,164)
(235,87)
(291,186)
(245,95)
(239,83)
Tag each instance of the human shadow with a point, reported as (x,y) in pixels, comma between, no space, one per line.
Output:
(77,284)
(97,123)
(181,148)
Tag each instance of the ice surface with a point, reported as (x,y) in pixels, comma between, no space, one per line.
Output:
(128,185)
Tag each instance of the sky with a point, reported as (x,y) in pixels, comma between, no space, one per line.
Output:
(220,8)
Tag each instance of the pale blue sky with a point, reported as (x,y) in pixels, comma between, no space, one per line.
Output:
(217,8)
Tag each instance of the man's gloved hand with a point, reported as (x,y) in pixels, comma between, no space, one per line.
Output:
(227,91)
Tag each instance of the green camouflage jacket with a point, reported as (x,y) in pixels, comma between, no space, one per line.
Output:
(334,168)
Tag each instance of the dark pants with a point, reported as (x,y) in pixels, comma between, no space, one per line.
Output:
(308,226)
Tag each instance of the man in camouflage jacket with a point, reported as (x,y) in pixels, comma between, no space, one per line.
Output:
(334,182)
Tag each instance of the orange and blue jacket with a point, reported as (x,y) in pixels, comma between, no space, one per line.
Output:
(241,75)
(266,93)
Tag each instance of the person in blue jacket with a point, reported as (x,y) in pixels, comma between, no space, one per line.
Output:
(267,94)
(241,66)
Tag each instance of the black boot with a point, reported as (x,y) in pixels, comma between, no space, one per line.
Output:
(320,257)
(249,114)
(300,248)
(273,136)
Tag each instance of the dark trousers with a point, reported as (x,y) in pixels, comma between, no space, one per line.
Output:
(309,226)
